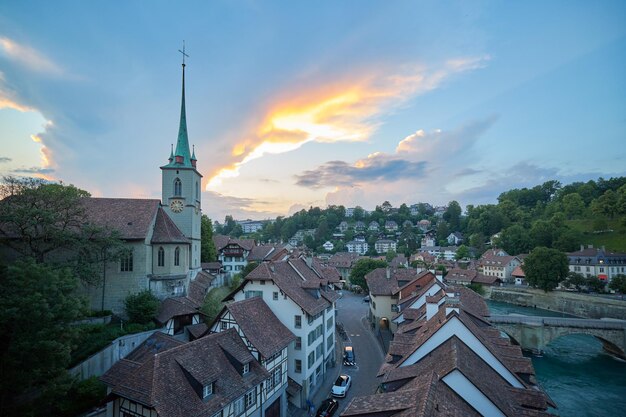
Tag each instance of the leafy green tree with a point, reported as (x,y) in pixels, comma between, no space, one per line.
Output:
(576,280)
(453,215)
(212,305)
(462,252)
(618,283)
(594,284)
(573,205)
(390,255)
(358,213)
(37,305)
(515,240)
(141,307)
(248,268)
(38,218)
(361,268)
(606,204)
(208,253)
(545,268)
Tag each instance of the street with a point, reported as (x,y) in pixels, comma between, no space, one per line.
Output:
(351,312)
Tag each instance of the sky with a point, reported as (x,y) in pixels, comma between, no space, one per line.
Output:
(299,104)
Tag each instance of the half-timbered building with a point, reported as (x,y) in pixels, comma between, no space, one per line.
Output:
(215,375)
(268,341)
(301,297)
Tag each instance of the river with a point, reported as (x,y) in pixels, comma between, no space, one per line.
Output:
(575,372)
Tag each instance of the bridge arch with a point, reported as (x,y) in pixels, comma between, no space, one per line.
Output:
(608,345)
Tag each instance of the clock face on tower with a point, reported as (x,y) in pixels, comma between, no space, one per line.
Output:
(177,206)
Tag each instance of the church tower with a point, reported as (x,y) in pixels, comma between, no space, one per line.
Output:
(181,184)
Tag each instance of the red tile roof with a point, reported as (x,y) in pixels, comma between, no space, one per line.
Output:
(170,382)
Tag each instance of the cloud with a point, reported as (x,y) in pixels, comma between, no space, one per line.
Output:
(343,111)
(28,57)
(33,170)
(375,168)
(4,159)
(217,206)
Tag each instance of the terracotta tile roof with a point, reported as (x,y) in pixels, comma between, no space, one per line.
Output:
(158,342)
(175,307)
(461,275)
(452,355)
(518,272)
(343,259)
(486,279)
(220,241)
(199,287)
(131,217)
(261,253)
(426,397)
(379,284)
(283,274)
(165,382)
(166,231)
(198,330)
(260,325)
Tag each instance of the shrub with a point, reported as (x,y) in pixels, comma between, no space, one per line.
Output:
(141,307)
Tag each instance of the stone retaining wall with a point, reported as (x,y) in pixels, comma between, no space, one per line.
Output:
(581,305)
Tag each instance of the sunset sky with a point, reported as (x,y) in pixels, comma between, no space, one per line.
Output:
(293,104)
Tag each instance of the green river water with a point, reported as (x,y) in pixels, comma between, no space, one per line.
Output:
(575,372)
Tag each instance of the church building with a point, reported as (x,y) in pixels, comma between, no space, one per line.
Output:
(162,237)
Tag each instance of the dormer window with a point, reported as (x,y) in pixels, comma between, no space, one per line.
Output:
(246,368)
(207,390)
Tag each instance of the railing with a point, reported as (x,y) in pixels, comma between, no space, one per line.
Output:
(560,322)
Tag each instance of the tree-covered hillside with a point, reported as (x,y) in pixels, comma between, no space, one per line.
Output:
(550,215)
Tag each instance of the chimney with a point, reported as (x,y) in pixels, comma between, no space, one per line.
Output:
(388,273)
(452,304)
(432,307)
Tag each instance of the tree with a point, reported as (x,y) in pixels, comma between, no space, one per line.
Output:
(37,305)
(453,215)
(361,268)
(141,307)
(573,205)
(208,253)
(594,284)
(248,268)
(515,240)
(39,217)
(576,280)
(618,283)
(545,268)
(606,204)
(462,252)
(390,255)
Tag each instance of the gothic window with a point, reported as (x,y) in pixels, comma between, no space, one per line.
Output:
(177,256)
(126,263)
(197,191)
(161,257)
(178,187)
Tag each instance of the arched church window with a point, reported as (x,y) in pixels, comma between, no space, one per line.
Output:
(178,187)
(161,257)
(197,191)
(177,256)
(126,262)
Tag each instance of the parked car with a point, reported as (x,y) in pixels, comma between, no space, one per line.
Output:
(327,408)
(342,385)
(366,299)
(349,358)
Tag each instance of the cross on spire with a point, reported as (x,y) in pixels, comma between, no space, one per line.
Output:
(183,52)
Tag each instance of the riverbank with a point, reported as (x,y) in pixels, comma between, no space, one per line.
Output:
(576,373)
(575,304)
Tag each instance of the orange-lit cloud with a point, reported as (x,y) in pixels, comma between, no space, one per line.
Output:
(28,57)
(341,112)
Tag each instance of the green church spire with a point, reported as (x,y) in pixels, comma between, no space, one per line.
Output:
(182,155)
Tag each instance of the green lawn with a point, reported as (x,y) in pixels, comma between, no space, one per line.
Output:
(614,240)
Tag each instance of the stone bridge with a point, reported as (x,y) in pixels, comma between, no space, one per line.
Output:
(535,333)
